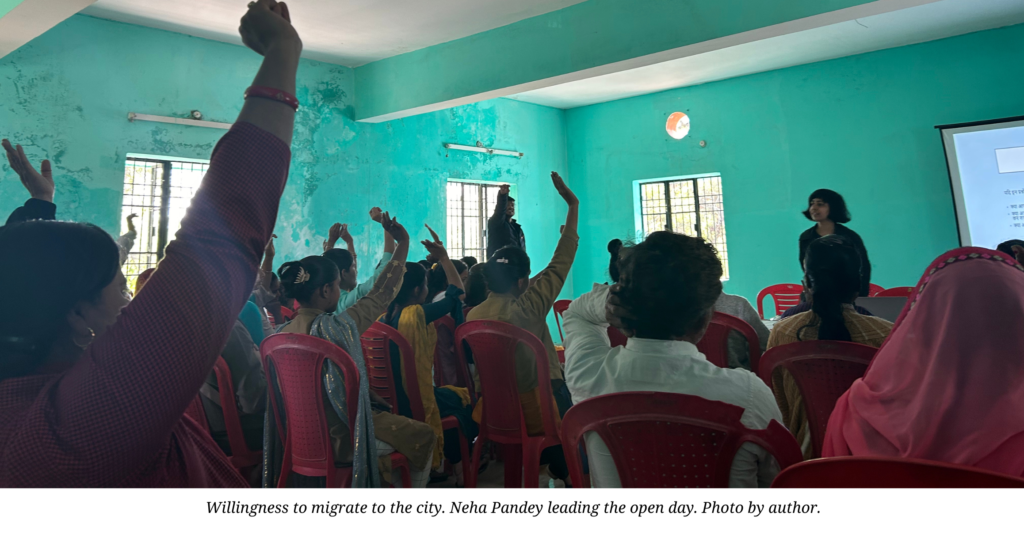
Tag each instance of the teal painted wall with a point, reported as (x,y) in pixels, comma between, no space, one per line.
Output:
(582,36)
(862,125)
(8,5)
(66,96)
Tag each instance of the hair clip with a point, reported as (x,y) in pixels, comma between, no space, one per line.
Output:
(501,260)
(302,277)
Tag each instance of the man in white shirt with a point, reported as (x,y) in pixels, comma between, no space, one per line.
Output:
(664,364)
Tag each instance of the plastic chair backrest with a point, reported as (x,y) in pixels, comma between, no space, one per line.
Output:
(296,363)
(823,371)
(493,344)
(785,297)
(446,366)
(241,456)
(615,337)
(287,314)
(715,344)
(380,368)
(559,308)
(466,310)
(903,292)
(849,472)
(874,289)
(197,412)
(662,440)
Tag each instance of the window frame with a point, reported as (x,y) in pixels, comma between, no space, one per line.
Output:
(485,211)
(639,210)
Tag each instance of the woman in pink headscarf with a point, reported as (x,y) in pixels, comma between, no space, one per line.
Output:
(948,384)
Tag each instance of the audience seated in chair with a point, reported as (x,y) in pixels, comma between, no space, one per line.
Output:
(93,389)
(514,299)
(316,283)
(947,386)
(832,279)
(667,289)
(250,384)
(413,318)
(351,289)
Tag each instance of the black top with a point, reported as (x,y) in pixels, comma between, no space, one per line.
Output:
(33,209)
(502,230)
(811,234)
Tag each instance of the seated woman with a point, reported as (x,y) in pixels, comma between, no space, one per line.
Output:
(668,286)
(514,299)
(833,282)
(947,385)
(315,283)
(739,350)
(93,389)
(351,289)
(414,319)
(476,286)
(438,280)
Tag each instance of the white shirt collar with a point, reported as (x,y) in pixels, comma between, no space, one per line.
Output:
(663,347)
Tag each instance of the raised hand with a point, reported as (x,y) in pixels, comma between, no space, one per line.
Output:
(131,224)
(436,249)
(344,234)
(375,214)
(394,228)
(436,238)
(267,25)
(563,190)
(503,190)
(334,233)
(38,183)
(616,313)
(270,251)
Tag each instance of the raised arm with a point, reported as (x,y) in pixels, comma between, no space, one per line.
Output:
(267,268)
(119,403)
(501,204)
(38,184)
(368,308)
(541,295)
(126,241)
(389,241)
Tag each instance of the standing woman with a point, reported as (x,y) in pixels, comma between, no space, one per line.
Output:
(827,209)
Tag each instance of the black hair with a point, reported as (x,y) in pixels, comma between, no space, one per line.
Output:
(341,258)
(470,261)
(837,211)
(613,265)
(415,275)
(510,199)
(321,271)
(833,275)
(426,264)
(476,285)
(1007,247)
(670,283)
(437,281)
(50,266)
(507,265)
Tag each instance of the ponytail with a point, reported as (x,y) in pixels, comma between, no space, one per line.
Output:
(833,275)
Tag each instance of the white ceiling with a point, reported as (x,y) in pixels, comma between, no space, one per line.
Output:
(911,25)
(346,32)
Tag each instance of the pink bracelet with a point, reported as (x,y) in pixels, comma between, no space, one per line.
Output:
(272,94)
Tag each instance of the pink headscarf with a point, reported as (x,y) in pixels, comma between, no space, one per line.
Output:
(948,384)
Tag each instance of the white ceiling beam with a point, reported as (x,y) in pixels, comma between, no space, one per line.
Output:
(32,18)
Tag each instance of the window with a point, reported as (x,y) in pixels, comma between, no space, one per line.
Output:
(159,191)
(469,206)
(688,205)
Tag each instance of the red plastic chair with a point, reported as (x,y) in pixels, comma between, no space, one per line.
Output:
(466,310)
(197,413)
(287,314)
(785,297)
(445,362)
(241,457)
(823,371)
(559,308)
(377,352)
(848,472)
(648,433)
(715,344)
(895,292)
(615,337)
(874,289)
(295,362)
(493,344)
